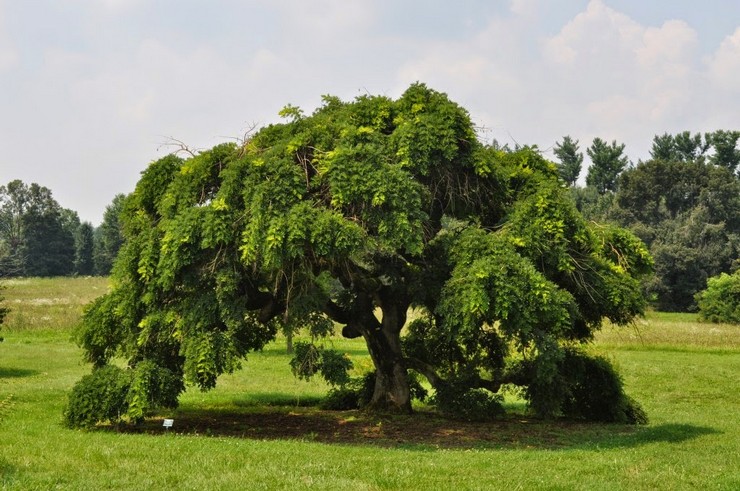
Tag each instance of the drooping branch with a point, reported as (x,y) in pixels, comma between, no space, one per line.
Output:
(425,369)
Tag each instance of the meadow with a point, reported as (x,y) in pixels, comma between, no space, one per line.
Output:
(261,428)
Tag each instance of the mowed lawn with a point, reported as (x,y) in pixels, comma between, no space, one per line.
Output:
(261,429)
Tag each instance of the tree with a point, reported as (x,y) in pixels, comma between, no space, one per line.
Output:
(726,153)
(688,213)
(84,250)
(374,206)
(607,162)
(37,234)
(688,147)
(109,236)
(570,160)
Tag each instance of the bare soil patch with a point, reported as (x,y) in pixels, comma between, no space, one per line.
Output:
(359,428)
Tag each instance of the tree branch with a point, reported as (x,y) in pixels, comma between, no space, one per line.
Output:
(425,369)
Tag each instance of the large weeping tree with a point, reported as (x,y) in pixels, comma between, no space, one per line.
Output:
(358,215)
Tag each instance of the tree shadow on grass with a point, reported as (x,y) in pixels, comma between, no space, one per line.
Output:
(420,431)
(6,372)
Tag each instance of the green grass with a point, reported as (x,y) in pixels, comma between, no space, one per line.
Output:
(684,373)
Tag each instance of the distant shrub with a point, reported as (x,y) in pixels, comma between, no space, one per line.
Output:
(720,302)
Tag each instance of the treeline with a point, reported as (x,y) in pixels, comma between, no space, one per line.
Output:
(683,202)
(38,237)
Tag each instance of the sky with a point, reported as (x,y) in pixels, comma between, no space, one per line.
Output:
(91,91)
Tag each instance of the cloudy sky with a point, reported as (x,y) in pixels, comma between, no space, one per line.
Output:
(91,90)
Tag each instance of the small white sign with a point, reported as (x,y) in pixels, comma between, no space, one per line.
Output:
(168,423)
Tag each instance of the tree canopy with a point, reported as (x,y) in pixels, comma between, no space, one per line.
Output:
(36,234)
(359,214)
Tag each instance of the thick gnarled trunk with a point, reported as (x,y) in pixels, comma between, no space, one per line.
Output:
(383,339)
(391,378)
(391,392)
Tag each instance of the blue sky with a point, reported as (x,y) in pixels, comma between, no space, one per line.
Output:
(91,90)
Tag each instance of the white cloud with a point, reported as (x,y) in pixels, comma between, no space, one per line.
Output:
(724,65)
(96,107)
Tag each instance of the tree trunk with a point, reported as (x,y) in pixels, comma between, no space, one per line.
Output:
(289,342)
(391,392)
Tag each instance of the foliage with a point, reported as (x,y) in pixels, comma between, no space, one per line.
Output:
(108,237)
(111,394)
(309,359)
(681,147)
(98,397)
(688,213)
(457,397)
(607,162)
(84,244)
(355,214)
(586,388)
(720,301)
(571,160)
(726,151)
(36,234)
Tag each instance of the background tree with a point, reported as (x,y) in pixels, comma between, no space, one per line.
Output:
(38,235)
(570,160)
(13,198)
(681,147)
(367,207)
(109,236)
(84,243)
(726,153)
(607,162)
(688,213)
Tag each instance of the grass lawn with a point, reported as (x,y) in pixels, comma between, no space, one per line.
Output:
(260,429)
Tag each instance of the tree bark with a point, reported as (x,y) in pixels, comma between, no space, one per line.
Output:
(391,392)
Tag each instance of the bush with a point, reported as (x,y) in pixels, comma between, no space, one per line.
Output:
(111,394)
(98,397)
(587,388)
(720,302)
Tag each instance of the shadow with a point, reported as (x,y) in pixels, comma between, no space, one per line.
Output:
(665,433)
(17,372)
(275,399)
(7,474)
(422,431)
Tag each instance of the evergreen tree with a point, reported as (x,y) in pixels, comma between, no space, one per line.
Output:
(570,160)
(607,162)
